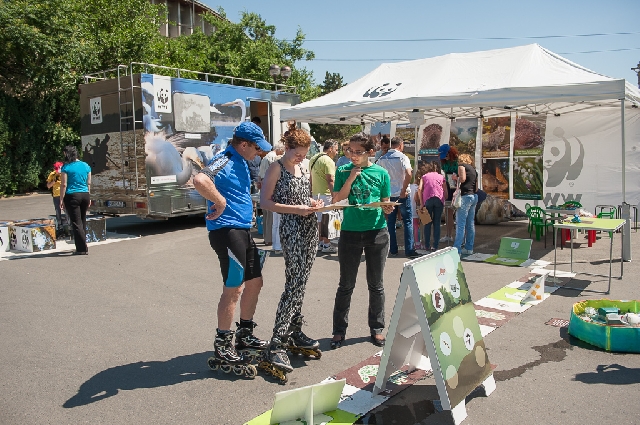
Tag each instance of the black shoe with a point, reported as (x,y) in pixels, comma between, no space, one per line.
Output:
(338,343)
(378,341)
(393,254)
(413,254)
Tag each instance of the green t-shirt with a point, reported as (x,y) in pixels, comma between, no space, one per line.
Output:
(372,185)
(449,167)
(321,165)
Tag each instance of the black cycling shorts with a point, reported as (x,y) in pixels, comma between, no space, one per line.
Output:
(238,255)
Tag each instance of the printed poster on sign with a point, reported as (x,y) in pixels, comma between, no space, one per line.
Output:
(408,133)
(429,136)
(454,328)
(162,88)
(495,177)
(462,135)
(95,106)
(528,148)
(378,130)
(496,133)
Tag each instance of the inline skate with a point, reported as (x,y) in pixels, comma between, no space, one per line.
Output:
(247,345)
(274,360)
(299,343)
(227,359)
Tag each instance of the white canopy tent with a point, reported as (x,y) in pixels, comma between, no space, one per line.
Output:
(591,110)
(527,78)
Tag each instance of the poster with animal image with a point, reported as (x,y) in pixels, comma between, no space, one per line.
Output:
(408,133)
(462,135)
(430,135)
(528,177)
(198,124)
(529,135)
(495,177)
(378,130)
(496,133)
(451,317)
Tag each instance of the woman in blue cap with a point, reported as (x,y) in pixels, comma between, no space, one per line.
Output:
(449,164)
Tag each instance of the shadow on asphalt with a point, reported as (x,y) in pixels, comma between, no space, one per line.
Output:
(613,374)
(133,225)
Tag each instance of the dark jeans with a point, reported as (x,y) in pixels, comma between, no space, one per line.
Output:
(76,205)
(59,216)
(375,244)
(405,213)
(435,207)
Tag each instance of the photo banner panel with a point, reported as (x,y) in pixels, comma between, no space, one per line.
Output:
(528,148)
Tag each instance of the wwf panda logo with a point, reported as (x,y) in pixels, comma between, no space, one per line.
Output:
(381,91)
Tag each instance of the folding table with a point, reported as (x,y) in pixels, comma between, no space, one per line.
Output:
(588,223)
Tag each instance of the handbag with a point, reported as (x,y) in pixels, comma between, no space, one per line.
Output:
(456,200)
(425,217)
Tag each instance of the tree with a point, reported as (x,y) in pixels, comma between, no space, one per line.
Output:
(321,132)
(48,45)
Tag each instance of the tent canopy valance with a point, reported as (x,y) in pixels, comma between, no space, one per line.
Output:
(529,79)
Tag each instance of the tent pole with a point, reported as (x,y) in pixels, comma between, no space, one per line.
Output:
(624,160)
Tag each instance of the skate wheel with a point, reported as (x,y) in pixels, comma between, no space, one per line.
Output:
(212,364)
(238,370)
(318,353)
(251,371)
(226,368)
(283,379)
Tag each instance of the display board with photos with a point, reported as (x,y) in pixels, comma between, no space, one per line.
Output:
(496,136)
(528,147)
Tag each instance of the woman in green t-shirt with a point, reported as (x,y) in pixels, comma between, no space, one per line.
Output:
(363,229)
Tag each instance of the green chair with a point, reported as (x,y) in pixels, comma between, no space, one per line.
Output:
(526,210)
(609,215)
(538,220)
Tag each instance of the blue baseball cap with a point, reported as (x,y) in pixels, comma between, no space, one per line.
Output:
(252,133)
(444,150)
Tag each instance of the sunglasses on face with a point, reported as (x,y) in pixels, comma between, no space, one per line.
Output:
(358,153)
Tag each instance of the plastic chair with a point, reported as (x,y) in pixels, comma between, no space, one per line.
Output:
(538,220)
(526,210)
(609,215)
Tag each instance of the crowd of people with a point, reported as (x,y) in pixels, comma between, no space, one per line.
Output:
(292,191)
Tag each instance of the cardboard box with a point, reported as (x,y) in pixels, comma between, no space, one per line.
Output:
(5,244)
(96,229)
(32,236)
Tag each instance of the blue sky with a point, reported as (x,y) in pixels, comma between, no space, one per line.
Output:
(471,20)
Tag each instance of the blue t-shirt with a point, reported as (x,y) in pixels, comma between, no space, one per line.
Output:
(230,174)
(77,173)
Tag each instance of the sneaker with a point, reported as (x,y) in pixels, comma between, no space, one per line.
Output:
(412,254)
(329,249)
(466,251)
(393,254)
(277,251)
(320,246)
(446,239)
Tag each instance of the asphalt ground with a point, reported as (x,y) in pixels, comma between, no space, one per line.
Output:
(123,335)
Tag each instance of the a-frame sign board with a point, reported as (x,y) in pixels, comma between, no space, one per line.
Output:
(436,319)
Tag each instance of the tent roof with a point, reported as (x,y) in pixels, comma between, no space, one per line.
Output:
(527,78)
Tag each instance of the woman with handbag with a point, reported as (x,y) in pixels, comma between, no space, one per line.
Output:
(431,193)
(467,181)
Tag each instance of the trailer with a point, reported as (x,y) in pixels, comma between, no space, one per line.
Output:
(147,130)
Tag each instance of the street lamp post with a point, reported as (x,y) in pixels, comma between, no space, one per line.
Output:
(277,72)
(637,71)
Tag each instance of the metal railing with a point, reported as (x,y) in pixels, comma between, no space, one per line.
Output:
(134,67)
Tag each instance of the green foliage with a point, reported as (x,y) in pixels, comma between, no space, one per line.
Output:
(321,132)
(47,45)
